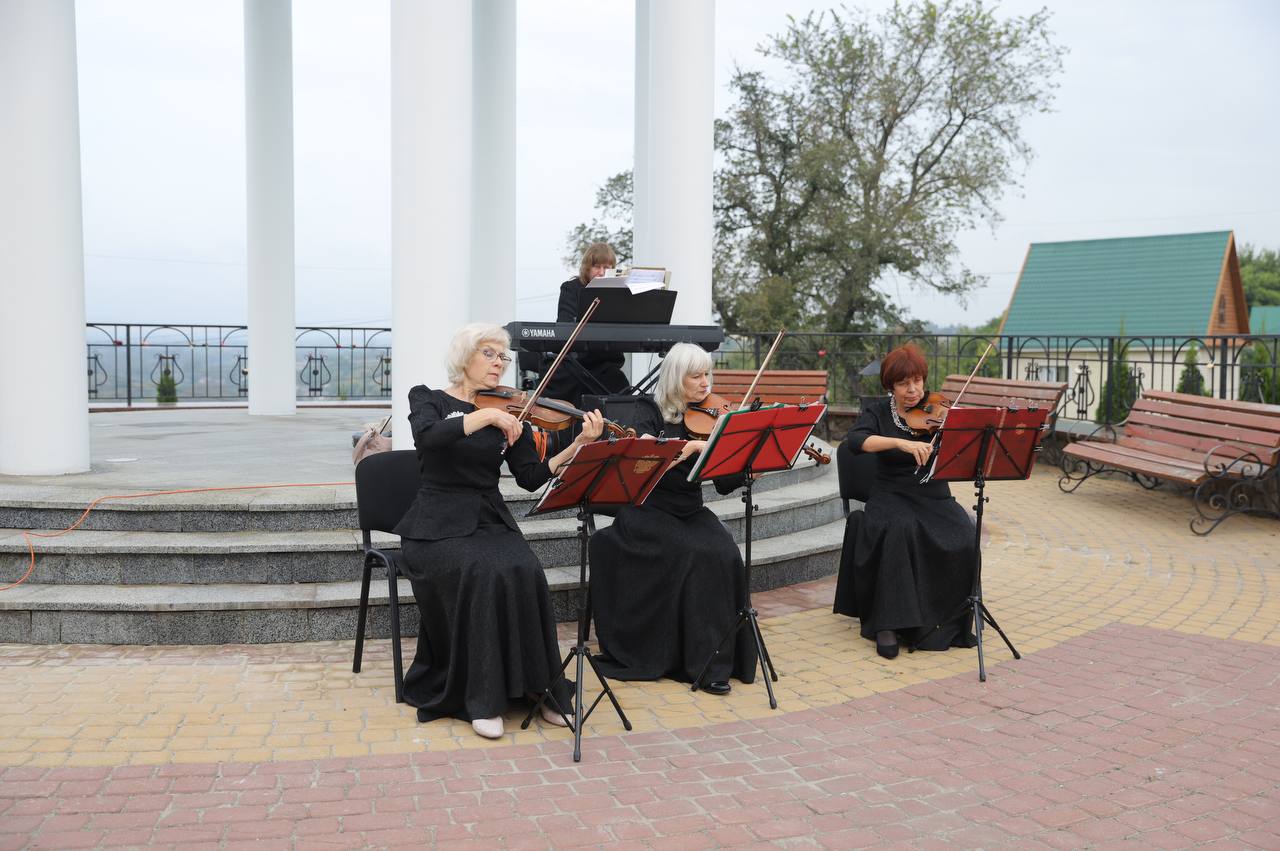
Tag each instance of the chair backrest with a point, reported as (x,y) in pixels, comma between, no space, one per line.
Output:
(856,471)
(624,408)
(386,484)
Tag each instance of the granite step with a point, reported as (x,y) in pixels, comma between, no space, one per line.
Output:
(95,557)
(328,507)
(318,611)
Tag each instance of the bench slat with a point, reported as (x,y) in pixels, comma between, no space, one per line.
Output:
(1194,444)
(1205,429)
(1203,413)
(1211,402)
(1109,455)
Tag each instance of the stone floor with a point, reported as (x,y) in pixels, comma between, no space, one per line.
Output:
(1143,714)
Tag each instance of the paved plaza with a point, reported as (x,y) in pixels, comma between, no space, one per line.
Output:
(1143,715)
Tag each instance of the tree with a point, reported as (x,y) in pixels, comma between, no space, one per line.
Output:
(1191,379)
(612,224)
(1120,389)
(1260,275)
(166,388)
(881,144)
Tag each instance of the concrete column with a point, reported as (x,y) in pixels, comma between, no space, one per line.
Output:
(431,186)
(642,239)
(268,126)
(493,220)
(44,412)
(674,206)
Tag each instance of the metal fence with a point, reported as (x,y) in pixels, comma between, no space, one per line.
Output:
(1104,374)
(128,363)
(135,363)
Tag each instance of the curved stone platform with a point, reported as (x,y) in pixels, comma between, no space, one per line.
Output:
(281,563)
(1142,715)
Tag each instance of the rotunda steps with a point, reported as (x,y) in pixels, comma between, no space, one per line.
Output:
(110,585)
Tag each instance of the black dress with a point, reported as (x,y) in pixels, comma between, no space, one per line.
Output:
(908,560)
(666,583)
(488,631)
(568,383)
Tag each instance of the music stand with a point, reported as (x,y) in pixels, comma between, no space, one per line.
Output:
(982,445)
(607,472)
(761,440)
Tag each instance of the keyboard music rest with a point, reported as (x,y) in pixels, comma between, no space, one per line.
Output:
(612,337)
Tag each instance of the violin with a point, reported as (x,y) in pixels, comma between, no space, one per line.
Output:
(927,415)
(700,420)
(546,414)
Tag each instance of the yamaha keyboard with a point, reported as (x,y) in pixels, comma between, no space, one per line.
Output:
(611,336)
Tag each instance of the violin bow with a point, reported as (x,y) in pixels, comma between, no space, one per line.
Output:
(976,367)
(759,372)
(564,350)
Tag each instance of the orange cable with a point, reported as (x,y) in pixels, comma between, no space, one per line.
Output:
(27,534)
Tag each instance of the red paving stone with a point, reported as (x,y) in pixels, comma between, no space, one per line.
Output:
(1124,737)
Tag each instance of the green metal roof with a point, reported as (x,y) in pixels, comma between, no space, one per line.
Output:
(1264,320)
(1152,285)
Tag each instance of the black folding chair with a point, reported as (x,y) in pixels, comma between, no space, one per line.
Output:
(386,484)
(856,472)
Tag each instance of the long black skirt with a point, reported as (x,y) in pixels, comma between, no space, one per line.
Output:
(488,630)
(665,590)
(907,565)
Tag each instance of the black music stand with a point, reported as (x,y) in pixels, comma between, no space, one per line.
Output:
(982,445)
(758,440)
(607,472)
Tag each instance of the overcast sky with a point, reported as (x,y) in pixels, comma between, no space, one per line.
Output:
(1166,122)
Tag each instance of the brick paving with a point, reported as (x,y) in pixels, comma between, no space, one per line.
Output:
(1143,715)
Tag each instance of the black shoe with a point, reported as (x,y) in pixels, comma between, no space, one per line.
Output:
(719,687)
(887,643)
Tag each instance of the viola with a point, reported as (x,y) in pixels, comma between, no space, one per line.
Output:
(927,415)
(700,419)
(546,414)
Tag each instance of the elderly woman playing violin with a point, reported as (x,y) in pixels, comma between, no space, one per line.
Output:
(488,631)
(666,577)
(908,559)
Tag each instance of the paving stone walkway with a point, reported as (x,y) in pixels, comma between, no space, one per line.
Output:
(1143,714)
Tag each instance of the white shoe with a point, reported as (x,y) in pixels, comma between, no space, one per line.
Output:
(489,728)
(551,716)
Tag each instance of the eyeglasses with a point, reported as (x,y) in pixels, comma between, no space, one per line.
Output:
(489,354)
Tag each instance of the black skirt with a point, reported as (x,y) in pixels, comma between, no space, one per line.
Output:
(488,630)
(665,589)
(907,565)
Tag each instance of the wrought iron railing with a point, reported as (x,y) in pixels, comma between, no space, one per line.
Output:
(127,362)
(1104,374)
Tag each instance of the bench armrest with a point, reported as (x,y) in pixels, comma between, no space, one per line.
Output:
(1245,463)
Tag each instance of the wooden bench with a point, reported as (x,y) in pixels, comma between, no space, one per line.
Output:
(1227,450)
(998,392)
(788,386)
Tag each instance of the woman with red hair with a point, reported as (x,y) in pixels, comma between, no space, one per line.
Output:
(908,559)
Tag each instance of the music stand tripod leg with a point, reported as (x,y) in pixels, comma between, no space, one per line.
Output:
(580,652)
(746,613)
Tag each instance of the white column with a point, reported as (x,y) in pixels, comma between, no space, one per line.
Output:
(431,131)
(674,208)
(44,412)
(268,126)
(493,220)
(642,239)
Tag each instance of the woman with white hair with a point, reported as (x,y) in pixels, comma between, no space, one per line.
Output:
(488,631)
(666,577)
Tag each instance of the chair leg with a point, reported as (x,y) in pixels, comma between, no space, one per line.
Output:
(397,662)
(362,618)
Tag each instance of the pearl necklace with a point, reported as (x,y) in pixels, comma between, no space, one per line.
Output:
(893,412)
